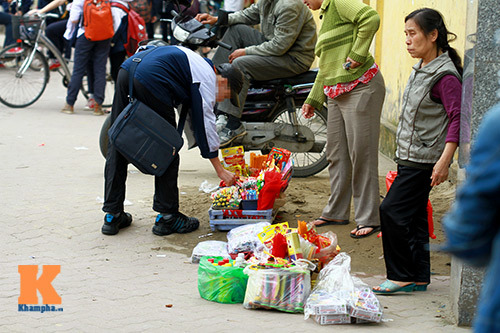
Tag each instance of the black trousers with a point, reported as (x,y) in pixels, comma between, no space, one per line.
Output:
(405,233)
(166,197)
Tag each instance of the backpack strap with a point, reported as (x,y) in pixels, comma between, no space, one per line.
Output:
(121,6)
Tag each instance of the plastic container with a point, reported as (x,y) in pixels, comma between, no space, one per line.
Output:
(227,219)
(249,204)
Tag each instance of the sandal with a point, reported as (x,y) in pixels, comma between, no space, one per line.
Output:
(329,222)
(420,287)
(359,227)
(389,287)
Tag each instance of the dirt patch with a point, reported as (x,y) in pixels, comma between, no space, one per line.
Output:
(305,199)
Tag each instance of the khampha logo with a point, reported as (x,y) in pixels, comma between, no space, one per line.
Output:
(30,284)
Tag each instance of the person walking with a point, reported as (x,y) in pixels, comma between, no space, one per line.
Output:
(350,82)
(427,137)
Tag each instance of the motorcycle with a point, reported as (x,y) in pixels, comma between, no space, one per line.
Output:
(272,112)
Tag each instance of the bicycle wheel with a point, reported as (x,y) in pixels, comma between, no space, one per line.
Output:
(17,89)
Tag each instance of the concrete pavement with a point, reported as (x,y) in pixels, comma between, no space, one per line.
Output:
(51,176)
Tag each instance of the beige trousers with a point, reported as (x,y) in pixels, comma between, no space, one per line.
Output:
(352,152)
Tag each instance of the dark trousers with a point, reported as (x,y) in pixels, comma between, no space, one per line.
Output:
(6,19)
(405,233)
(85,52)
(166,198)
(55,32)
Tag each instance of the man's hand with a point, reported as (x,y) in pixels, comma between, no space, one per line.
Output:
(205,18)
(307,111)
(228,177)
(237,53)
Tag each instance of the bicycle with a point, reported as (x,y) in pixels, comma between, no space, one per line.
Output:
(25,73)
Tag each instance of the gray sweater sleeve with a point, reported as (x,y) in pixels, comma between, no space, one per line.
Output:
(248,16)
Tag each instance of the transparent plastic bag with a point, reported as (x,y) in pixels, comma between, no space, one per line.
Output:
(244,238)
(327,253)
(209,248)
(283,289)
(339,298)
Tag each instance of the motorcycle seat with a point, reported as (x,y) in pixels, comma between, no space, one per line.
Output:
(307,77)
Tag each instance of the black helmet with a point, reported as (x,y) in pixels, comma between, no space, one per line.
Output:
(235,78)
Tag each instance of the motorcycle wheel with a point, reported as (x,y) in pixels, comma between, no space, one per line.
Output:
(308,164)
(103,136)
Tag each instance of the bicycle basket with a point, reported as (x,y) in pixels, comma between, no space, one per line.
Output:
(25,28)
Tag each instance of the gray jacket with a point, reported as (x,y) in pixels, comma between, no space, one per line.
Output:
(423,123)
(287,25)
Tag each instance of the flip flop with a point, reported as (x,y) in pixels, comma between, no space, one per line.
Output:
(330,222)
(359,227)
(389,287)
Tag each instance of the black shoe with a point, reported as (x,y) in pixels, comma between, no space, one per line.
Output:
(113,224)
(167,224)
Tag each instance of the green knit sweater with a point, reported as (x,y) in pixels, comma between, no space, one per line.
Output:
(347,30)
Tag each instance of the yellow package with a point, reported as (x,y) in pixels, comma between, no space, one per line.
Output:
(233,159)
(266,236)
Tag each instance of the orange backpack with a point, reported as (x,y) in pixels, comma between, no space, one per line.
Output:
(98,20)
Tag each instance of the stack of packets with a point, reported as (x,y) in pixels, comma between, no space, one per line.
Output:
(277,286)
(251,179)
(339,298)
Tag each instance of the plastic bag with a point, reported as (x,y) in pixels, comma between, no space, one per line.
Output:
(244,238)
(339,298)
(221,283)
(209,248)
(270,190)
(329,252)
(283,289)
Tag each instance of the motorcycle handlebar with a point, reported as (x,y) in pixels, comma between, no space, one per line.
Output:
(224,45)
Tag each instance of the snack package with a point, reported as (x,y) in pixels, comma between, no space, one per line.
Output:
(267,235)
(209,248)
(283,289)
(226,197)
(278,157)
(244,238)
(233,159)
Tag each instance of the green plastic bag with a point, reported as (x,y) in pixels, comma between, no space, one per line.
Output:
(222,284)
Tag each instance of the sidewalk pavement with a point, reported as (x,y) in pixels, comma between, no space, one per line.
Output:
(51,175)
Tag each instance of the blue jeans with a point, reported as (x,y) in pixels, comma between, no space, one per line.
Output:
(85,52)
(6,19)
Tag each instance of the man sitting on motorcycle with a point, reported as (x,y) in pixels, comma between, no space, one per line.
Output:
(283,48)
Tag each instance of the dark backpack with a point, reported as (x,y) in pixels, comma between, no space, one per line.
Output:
(143,8)
(97,20)
(136,29)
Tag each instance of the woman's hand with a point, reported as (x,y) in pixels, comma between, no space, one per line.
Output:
(440,170)
(307,111)
(354,63)
(439,173)
(205,18)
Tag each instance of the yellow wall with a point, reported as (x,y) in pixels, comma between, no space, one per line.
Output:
(390,49)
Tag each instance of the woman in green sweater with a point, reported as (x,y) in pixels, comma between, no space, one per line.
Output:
(351,84)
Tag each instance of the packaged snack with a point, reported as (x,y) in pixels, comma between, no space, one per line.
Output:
(233,159)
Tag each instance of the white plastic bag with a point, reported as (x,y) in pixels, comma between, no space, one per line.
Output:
(209,248)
